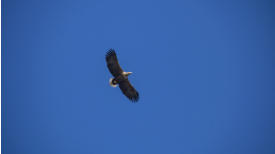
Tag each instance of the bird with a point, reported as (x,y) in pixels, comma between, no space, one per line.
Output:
(120,77)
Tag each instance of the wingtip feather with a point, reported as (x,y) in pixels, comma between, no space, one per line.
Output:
(110,52)
(135,98)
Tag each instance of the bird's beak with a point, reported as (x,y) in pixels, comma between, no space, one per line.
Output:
(128,73)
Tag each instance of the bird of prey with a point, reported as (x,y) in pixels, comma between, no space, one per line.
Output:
(120,77)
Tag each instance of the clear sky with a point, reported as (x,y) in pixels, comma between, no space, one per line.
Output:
(204,71)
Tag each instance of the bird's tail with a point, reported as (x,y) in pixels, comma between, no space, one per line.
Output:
(111,83)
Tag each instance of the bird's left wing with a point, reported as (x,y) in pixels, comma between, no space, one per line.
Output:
(112,63)
(128,90)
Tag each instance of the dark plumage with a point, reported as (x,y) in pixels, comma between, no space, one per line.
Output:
(120,77)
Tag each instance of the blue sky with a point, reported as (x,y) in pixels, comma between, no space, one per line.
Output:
(204,71)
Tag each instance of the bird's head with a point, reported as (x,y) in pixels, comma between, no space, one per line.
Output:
(127,73)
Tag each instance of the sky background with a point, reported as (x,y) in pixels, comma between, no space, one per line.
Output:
(204,71)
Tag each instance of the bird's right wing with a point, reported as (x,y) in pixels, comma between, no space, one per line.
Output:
(128,90)
(112,63)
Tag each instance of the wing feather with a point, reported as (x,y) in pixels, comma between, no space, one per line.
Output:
(112,63)
(128,90)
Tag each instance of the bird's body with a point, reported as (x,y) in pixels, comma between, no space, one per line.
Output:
(120,77)
(115,81)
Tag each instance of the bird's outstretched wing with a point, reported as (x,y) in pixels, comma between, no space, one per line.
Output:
(128,90)
(112,63)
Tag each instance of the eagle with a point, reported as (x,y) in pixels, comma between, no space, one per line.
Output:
(120,77)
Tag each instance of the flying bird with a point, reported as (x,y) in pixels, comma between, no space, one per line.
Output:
(120,77)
